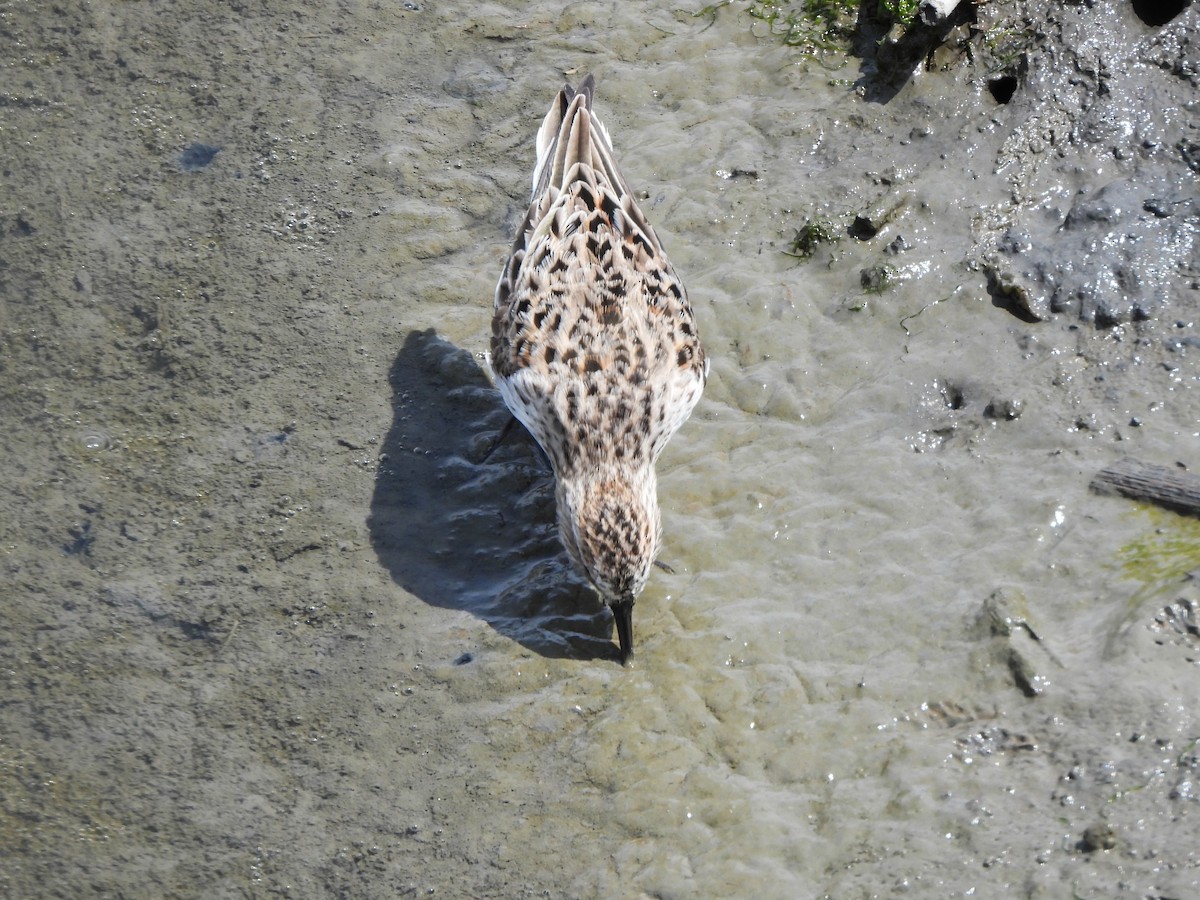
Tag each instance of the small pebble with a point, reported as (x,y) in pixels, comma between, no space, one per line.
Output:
(1100,836)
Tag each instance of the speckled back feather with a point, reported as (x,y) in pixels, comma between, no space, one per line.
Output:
(593,340)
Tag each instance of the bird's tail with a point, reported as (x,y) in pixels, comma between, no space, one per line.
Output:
(571,134)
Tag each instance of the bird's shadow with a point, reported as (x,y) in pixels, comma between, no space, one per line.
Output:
(462,523)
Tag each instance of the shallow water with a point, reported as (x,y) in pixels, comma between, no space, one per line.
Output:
(277,627)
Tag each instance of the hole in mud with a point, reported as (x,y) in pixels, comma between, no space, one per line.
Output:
(1002,88)
(952,396)
(862,228)
(1158,12)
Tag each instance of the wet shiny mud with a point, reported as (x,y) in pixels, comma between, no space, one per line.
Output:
(280,621)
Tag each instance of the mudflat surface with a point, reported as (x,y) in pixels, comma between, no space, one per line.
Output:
(275,624)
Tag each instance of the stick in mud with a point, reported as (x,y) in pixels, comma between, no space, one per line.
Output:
(1172,488)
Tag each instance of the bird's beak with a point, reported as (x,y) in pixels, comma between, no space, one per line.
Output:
(623,613)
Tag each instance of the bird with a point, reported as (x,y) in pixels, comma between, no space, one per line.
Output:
(595,351)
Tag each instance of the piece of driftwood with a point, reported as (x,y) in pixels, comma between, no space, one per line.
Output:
(1173,488)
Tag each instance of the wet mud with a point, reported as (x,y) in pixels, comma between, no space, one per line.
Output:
(284,616)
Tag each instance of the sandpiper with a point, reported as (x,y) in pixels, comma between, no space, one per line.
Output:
(595,351)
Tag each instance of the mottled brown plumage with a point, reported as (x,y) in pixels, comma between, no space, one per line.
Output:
(595,350)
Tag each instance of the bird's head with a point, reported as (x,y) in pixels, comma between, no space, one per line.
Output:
(610,524)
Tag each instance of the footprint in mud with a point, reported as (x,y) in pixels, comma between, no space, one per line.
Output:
(957,412)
